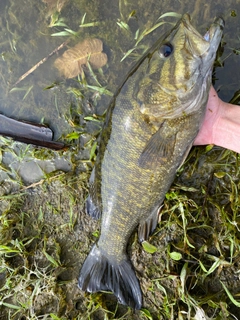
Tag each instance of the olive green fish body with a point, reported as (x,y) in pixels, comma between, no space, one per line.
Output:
(131,191)
(150,127)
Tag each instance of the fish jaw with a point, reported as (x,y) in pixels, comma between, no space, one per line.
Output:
(205,46)
(193,52)
(182,77)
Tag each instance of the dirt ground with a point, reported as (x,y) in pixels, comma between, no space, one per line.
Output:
(191,269)
(53,235)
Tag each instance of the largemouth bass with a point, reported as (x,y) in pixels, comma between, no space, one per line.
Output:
(150,127)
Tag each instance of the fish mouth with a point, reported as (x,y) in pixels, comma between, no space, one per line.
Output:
(218,23)
(210,39)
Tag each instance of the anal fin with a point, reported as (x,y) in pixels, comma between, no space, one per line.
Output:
(185,154)
(147,226)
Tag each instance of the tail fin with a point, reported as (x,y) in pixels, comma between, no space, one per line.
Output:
(100,273)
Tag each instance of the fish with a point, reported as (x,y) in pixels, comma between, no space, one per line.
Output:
(150,127)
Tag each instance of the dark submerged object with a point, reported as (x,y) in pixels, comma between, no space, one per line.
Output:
(27,132)
(150,127)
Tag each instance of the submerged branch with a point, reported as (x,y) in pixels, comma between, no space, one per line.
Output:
(41,62)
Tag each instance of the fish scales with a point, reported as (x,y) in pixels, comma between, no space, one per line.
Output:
(125,177)
(150,127)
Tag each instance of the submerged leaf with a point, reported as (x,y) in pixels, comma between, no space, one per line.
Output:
(55,5)
(90,50)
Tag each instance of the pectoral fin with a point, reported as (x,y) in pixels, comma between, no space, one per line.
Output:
(158,150)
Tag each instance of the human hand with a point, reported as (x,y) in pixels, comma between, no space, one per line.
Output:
(213,113)
(221,125)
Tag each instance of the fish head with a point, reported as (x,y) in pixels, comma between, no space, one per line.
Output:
(180,69)
(193,53)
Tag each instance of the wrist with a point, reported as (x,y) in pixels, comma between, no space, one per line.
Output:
(226,130)
(213,112)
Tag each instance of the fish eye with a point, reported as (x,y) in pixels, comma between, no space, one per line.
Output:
(165,50)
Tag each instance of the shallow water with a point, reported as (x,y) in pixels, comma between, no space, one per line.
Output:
(49,218)
(44,96)
(25,39)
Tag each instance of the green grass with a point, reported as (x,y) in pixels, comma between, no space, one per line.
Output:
(192,270)
(189,268)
